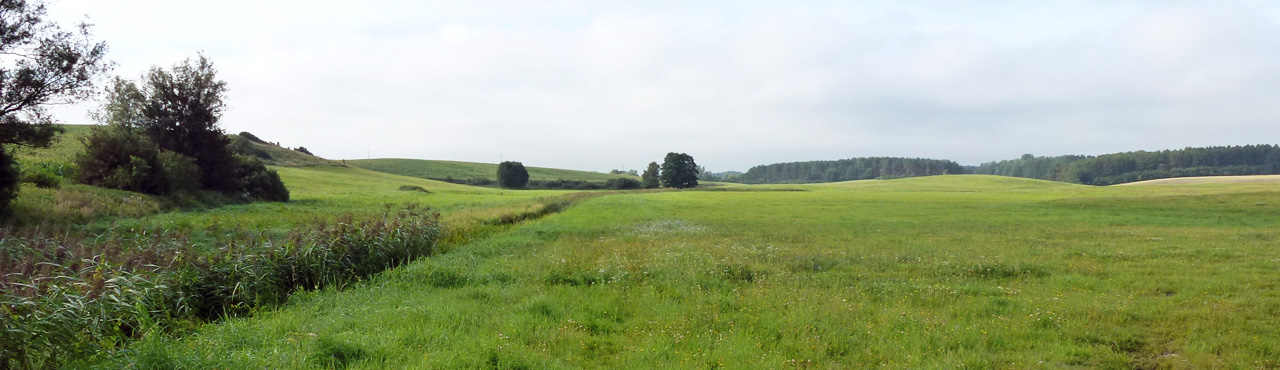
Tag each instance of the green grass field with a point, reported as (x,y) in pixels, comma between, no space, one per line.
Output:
(428,169)
(939,272)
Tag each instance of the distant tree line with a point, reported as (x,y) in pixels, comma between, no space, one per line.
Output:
(1125,167)
(1029,166)
(847,169)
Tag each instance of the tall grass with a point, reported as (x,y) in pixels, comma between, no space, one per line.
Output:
(65,299)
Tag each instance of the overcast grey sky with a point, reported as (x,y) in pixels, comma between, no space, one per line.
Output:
(597,85)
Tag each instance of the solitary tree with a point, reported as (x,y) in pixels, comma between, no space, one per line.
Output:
(649,179)
(512,175)
(41,64)
(679,171)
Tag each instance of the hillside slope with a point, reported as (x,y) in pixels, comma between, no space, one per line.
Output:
(438,170)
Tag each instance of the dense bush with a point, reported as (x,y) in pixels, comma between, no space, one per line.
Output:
(622,184)
(9,177)
(562,184)
(475,181)
(303,150)
(512,175)
(118,157)
(251,137)
(180,172)
(42,177)
(258,182)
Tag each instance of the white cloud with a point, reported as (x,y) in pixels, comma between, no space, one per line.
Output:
(598,85)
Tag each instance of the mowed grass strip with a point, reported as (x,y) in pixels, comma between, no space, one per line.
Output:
(942,272)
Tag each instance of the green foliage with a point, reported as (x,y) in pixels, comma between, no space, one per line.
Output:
(848,169)
(44,64)
(42,177)
(60,304)
(258,182)
(622,184)
(179,109)
(252,137)
(119,157)
(679,171)
(1029,166)
(1127,167)
(9,176)
(649,179)
(180,171)
(414,188)
(512,175)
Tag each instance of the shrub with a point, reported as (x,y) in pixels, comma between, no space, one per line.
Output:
(303,150)
(180,172)
(414,188)
(512,175)
(8,182)
(42,177)
(258,182)
(622,184)
(251,137)
(121,158)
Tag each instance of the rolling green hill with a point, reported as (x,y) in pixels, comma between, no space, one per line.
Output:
(438,170)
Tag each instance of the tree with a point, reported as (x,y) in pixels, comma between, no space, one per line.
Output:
(679,171)
(42,64)
(179,110)
(512,175)
(649,179)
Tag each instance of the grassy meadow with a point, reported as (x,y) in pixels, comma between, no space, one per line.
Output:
(938,272)
(430,169)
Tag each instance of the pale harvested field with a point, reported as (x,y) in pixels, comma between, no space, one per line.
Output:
(1209,180)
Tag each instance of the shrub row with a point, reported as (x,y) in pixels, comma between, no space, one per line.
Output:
(67,301)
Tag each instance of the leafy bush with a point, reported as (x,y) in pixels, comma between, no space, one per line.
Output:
(414,188)
(258,182)
(251,137)
(303,150)
(8,183)
(118,157)
(180,172)
(562,184)
(42,178)
(622,184)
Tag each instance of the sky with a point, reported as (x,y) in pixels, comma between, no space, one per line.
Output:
(601,85)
